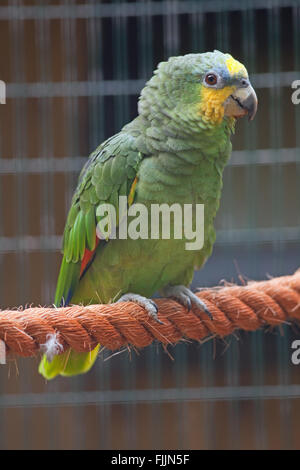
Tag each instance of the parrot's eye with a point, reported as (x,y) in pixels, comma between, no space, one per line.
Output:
(211,79)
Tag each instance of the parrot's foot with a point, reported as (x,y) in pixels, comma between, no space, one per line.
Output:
(186,297)
(148,304)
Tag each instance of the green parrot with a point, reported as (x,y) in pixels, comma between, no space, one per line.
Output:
(175,151)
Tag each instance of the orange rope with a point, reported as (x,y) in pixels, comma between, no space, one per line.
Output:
(246,307)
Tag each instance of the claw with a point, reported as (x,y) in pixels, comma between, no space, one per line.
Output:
(186,298)
(148,304)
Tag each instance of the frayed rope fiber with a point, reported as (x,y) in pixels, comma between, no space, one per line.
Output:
(248,307)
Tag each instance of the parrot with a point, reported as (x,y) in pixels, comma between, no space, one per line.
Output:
(174,151)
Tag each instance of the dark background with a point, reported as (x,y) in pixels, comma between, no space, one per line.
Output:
(74,71)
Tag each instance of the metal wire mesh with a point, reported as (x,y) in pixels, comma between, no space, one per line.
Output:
(73,71)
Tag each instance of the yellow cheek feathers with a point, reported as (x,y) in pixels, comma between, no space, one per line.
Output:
(212,101)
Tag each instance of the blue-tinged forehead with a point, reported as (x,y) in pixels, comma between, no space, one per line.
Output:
(216,59)
(224,64)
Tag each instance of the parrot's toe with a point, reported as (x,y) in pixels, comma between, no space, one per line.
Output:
(148,304)
(186,297)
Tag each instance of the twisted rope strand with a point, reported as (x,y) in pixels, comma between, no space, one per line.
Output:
(234,307)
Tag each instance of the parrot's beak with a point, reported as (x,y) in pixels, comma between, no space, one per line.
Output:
(241,102)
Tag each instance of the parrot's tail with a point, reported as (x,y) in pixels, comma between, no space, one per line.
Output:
(67,364)
(70,362)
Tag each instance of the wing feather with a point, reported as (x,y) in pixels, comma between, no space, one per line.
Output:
(109,172)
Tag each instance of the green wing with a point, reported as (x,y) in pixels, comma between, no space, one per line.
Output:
(110,172)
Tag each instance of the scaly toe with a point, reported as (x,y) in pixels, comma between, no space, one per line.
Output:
(186,298)
(148,304)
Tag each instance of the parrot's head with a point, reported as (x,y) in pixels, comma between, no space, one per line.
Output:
(208,87)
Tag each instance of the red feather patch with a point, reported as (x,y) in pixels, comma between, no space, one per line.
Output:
(87,257)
